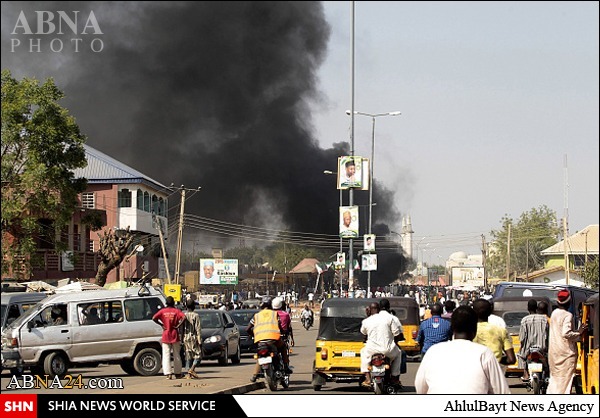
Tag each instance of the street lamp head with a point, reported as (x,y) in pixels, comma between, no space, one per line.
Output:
(328,172)
(349,112)
(394,113)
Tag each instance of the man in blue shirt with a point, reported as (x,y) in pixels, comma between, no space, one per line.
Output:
(434,330)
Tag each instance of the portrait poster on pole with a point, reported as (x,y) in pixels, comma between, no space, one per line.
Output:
(348,221)
(369,262)
(369,242)
(350,172)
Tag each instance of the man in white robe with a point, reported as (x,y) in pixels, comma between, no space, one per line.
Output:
(562,346)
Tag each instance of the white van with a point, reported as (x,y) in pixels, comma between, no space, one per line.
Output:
(87,328)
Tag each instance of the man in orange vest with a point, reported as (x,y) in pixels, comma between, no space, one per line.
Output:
(265,325)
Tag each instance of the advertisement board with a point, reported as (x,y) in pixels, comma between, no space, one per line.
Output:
(218,271)
(468,276)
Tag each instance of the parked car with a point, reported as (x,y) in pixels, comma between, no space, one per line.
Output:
(83,329)
(220,336)
(242,318)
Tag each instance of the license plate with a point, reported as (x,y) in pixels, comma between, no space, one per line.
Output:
(535,367)
(348,354)
(378,370)
(264,360)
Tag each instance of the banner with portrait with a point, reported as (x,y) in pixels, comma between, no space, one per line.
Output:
(349,222)
(369,262)
(350,172)
(218,271)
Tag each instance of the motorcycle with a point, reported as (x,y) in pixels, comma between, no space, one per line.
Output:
(272,366)
(307,322)
(537,366)
(381,377)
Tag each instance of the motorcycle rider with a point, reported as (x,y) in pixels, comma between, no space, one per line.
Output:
(307,315)
(532,333)
(286,324)
(383,331)
(265,325)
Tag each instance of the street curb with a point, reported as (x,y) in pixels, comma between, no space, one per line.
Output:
(241,389)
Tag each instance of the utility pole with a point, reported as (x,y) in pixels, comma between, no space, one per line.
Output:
(484,261)
(566,248)
(351,191)
(508,254)
(180,237)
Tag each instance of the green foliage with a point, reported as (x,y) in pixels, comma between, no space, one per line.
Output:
(41,145)
(534,231)
(590,273)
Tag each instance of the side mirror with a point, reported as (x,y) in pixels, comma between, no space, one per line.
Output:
(230,325)
(30,325)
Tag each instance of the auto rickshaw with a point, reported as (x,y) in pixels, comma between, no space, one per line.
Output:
(588,346)
(407,311)
(513,309)
(339,341)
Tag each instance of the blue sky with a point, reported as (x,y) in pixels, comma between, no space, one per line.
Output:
(494,97)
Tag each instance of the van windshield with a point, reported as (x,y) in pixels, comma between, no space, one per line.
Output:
(26,315)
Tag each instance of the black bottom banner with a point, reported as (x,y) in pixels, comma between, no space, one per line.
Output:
(131,406)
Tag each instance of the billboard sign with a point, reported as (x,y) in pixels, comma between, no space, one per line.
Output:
(218,271)
(468,276)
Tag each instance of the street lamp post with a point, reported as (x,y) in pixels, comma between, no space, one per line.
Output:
(373,116)
(329,172)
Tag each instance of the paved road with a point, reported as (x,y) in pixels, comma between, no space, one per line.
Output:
(223,379)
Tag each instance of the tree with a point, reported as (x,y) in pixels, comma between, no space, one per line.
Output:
(590,273)
(114,247)
(533,232)
(41,146)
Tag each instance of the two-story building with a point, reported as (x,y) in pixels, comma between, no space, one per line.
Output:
(121,197)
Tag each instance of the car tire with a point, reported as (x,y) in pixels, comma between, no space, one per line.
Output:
(237,357)
(56,364)
(147,362)
(127,367)
(223,359)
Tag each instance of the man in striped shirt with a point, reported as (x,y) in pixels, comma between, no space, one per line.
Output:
(434,330)
(533,332)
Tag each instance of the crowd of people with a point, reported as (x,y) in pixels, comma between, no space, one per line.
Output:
(463,330)
(483,348)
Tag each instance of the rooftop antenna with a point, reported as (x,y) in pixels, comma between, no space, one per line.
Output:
(566,222)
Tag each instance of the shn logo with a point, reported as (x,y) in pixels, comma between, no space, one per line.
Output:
(19,405)
(59,23)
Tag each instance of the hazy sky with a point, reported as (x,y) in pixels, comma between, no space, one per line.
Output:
(493,96)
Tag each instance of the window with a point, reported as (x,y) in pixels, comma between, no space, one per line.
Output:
(142,309)
(76,238)
(140,199)
(161,207)
(100,312)
(88,201)
(147,201)
(154,204)
(124,198)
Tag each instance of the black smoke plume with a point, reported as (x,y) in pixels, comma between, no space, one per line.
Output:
(210,94)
